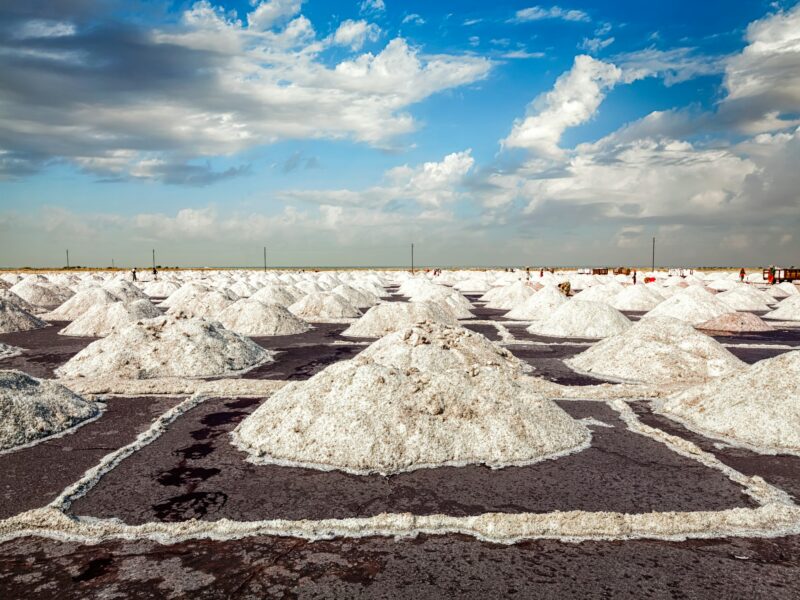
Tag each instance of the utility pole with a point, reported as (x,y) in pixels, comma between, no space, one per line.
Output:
(68,259)
(154,258)
(112,263)
(412,259)
(265,259)
(654,255)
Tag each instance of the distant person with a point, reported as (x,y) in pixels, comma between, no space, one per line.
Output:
(133,273)
(541,273)
(634,277)
(528,272)
(742,274)
(155,273)
(772,274)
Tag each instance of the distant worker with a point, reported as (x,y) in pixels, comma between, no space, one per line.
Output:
(133,273)
(541,273)
(527,272)
(155,273)
(742,274)
(634,277)
(771,274)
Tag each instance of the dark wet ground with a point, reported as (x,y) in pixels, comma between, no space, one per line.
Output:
(32,477)
(489,331)
(192,471)
(782,471)
(434,567)
(45,349)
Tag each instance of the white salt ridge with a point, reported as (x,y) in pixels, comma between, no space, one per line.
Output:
(104,319)
(756,407)
(738,322)
(433,348)
(167,347)
(539,306)
(582,319)
(125,290)
(13,318)
(249,316)
(80,303)
(206,305)
(657,350)
(362,417)
(636,298)
(387,318)
(511,296)
(746,298)
(690,308)
(45,295)
(12,298)
(787,310)
(160,289)
(321,306)
(34,408)
(358,298)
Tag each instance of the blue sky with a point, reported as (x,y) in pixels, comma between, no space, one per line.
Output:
(340,132)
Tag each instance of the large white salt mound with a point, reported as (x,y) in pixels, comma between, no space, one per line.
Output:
(636,297)
(600,293)
(358,298)
(80,303)
(472,285)
(393,316)
(539,306)
(362,417)
(160,289)
(277,294)
(104,319)
(689,308)
(320,306)
(757,406)
(202,306)
(451,300)
(433,347)
(744,298)
(249,316)
(41,294)
(788,287)
(125,290)
(12,298)
(7,351)
(787,310)
(13,318)
(35,408)
(738,322)
(167,347)
(511,296)
(657,350)
(185,292)
(582,319)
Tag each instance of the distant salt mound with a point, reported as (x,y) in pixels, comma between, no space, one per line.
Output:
(7,351)
(738,322)
(12,298)
(160,289)
(34,408)
(582,319)
(39,294)
(511,296)
(539,306)
(472,285)
(249,316)
(80,303)
(283,295)
(788,287)
(387,318)
(688,307)
(659,350)
(13,318)
(636,298)
(167,347)
(185,293)
(104,319)
(433,347)
(451,300)
(756,407)
(787,310)
(242,289)
(600,293)
(363,417)
(202,306)
(745,298)
(358,298)
(125,291)
(322,306)
(309,287)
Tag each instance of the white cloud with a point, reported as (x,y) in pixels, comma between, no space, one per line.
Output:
(573,100)
(355,33)
(521,53)
(40,28)
(414,19)
(266,15)
(372,6)
(538,13)
(594,45)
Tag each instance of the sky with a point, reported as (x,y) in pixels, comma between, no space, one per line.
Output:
(338,133)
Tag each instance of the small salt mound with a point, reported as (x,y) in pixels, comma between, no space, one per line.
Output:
(277,294)
(600,293)
(387,318)
(636,297)
(41,294)
(160,289)
(12,298)
(13,318)
(362,417)
(788,287)
(433,348)
(539,306)
(242,289)
(7,351)
(582,319)
(167,347)
(185,292)
(472,285)
(448,298)
(249,316)
(201,306)
(689,308)
(34,408)
(320,306)
(80,303)
(739,322)
(511,296)
(309,287)
(357,298)
(657,350)
(787,310)
(125,291)
(756,406)
(744,299)
(104,319)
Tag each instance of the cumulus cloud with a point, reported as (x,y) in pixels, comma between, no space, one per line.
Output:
(538,13)
(356,33)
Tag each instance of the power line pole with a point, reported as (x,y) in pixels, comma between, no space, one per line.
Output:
(265,259)
(154,258)
(412,259)
(68,259)
(654,255)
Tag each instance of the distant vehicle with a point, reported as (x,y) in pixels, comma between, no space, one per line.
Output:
(782,275)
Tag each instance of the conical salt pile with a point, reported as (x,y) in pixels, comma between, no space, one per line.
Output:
(582,319)
(167,347)
(125,290)
(511,296)
(104,319)
(358,298)
(13,318)
(746,298)
(80,303)
(756,406)
(12,298)
(277,294)
(655,351)
(738,322)
(787,310)
(202,306)
(539,306)
(387,318)
(689,308)
(321,306)
(636,298)
(251,317)
(160,289)
(41,294)
(600,293)
(35,408)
